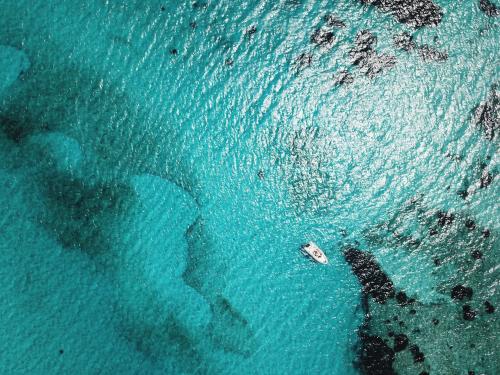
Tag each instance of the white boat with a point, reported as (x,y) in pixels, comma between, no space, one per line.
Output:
(313,251)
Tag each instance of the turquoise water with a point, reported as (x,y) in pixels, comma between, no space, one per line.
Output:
(161,163)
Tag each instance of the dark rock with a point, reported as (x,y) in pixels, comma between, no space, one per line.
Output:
(390,334)
(162,8)
(489,308)
(400,342)
(173,51)
(418,356)
(413,312)
(61,351)
(435,321)
(468,312)
(459,292)
(193,24)
(260,174)
(303,60)
(373,279)
(428,53)
(333,21)
(486,179)
(364,56)
(470,224)
(199,5)
(437,262)
(323,38)
(471,373)
(402,298)
(433,232)
(487,115)
(414,13)
(476,254)
(251,30)
(364,47)
(486,233)
(376,356)
(387,321)
(395,318)
(445,218)
(404,41)
(343,78)
(424,373)
(402,324)
(488,8)
(463,193)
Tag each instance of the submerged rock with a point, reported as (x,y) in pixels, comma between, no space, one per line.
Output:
(376,356)
(364,56)
(468,312)
(343,78)
(414,13)
(404,41)
(417,354)
(303,60)
(323,38)
(489,308)
(487,114)
(373,279)
(459,292)
(488,8)
(400,342)
(333,21)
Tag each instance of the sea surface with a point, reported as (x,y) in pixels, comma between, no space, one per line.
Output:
(161,163)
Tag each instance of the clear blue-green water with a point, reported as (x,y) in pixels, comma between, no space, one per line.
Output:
(161,164)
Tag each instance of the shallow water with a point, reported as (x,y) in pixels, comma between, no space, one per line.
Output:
(162,163)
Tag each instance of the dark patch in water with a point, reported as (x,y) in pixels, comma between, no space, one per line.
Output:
(323,38)
(80,211)
(167,337)
(487,114)
(400,342)
(417,354)
(445,218)
(333,21)
(304,60)
(376,356)
(373,279)
(414,13)
(459,292)
(405,42)
(14,129)
(403,299)
(230,330)
(489,308)
(428,53)
(489,8)
(251,30)
(468,313)
(364,56)
(343,78)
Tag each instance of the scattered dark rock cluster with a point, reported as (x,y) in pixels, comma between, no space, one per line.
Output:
(323,37)
(487,114)
(376,356)
(333,21)
(489,8)
(343,78)
(373,279)
(414,13)
(364,56)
